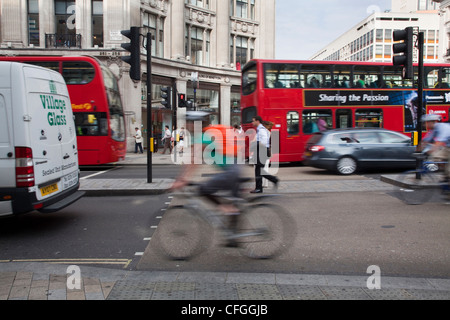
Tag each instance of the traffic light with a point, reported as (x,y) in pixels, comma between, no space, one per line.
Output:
(166,95)
(405,47)
(181,100)
(134,47)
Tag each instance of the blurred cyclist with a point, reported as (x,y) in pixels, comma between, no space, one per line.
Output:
(224,149)
(438,137)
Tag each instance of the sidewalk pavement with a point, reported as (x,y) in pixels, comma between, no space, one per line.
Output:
(41,281)
(289,180)
(49,281)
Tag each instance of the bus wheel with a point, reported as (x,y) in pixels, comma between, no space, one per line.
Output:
(346,166)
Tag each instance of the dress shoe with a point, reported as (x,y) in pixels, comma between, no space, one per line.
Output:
(256,191)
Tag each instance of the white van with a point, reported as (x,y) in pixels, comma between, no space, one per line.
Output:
(38,146)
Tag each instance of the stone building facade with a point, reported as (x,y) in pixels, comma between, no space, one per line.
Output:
(210,38)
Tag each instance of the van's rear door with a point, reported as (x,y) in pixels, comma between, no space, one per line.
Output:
(69,150)
(47,102)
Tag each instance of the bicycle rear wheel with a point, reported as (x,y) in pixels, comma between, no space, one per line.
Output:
(415,191)
(182,234)
(265,231)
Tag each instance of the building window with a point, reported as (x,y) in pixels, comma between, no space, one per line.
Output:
(431,36)
(387,35)
(243,9)
(149,22)
(199,3)
(379,35)
(33,22)
(65,20)
(153,26)
(97,23)
(239,50)
(197,45)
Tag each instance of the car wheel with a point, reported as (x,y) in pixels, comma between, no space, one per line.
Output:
(346,166)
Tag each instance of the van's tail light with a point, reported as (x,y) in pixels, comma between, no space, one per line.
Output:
(316,148)
(24,167)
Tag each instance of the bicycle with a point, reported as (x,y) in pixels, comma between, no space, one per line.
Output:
(265,230)
(418,186)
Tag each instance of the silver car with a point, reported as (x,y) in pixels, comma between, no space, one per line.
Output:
(349,150)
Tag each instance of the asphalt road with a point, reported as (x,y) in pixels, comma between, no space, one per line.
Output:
(342,233)
(108,232)
(337,233)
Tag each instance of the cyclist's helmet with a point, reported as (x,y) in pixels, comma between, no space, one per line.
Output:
(431,117)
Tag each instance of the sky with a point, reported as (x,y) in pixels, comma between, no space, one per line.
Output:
(303,27)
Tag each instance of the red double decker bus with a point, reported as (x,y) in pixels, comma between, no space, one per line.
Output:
(96,104)
(294,95)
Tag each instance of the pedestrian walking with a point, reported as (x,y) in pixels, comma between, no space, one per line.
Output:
(262,150)
(138,141)
(167,140)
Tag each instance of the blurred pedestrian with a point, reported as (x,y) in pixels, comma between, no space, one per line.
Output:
(262,150)
(167,140)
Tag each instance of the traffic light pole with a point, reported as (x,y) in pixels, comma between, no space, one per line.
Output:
(174,116)
(420,43)
(150,144)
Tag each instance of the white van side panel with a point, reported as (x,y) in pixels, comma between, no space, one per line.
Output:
(7,161)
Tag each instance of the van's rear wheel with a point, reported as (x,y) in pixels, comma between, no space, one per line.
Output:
(346,166)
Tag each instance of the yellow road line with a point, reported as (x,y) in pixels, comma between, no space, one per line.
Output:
(124,262)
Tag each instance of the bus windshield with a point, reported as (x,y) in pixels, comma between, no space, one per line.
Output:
(115,105)
(249,77)
(78,72)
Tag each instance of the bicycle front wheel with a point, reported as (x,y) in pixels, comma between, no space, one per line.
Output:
(182,234)
(265,231)
(415,191)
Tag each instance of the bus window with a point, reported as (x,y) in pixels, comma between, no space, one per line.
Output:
(281,75)
(310,120)
(431,77)
(292,122)
(78,72)
(53,65)
(343,118)
(366,77)
(315,76)
(342,75)
(369,118)
(249,77)
(248,114)
(445,80)
(91,124)
(393,78)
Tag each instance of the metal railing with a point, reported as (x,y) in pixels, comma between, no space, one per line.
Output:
(55,40)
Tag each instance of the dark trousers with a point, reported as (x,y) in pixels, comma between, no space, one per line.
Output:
(260,172)
(138,145)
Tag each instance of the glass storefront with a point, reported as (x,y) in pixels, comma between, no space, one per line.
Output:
(235,106)
(206,98)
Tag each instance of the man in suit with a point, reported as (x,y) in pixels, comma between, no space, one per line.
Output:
(262,154)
